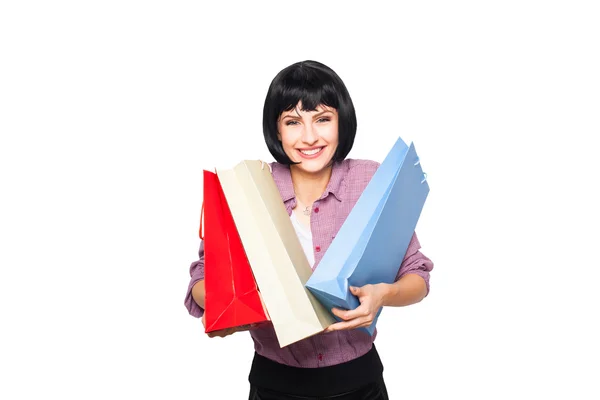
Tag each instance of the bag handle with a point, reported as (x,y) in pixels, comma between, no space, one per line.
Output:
(201,230)
(424,173)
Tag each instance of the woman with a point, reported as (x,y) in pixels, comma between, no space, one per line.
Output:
(309,126)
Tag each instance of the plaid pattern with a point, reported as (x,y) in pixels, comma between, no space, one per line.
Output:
(348,180)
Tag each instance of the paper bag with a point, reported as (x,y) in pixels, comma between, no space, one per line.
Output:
(371,244)
(232,298)
(279,264)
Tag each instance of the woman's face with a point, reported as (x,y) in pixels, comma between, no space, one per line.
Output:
(309,137)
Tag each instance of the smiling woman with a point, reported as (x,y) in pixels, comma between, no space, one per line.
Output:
(314,87)
(309,125)
(310,137)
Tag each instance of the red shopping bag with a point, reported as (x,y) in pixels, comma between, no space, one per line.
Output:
(231,295)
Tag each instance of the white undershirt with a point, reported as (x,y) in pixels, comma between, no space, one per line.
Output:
(305,237)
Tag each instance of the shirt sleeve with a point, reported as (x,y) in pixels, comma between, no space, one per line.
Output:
(415,262)
(196,274)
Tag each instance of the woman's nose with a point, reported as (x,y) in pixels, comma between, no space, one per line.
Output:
(309,136)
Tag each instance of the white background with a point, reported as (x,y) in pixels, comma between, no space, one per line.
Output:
(110,110)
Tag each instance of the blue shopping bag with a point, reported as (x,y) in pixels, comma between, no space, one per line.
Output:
(373,240)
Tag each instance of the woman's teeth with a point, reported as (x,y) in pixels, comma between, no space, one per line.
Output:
(311,152)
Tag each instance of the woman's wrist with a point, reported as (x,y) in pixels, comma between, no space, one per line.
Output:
(389,292)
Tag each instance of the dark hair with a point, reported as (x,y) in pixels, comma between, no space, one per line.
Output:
(314,84)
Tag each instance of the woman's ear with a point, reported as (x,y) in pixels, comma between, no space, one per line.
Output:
(279,136)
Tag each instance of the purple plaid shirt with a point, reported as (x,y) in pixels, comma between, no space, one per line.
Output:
(348,180)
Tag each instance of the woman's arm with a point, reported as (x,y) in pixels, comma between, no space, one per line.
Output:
(198,293)
(409,289)
(195,292)
(196,296)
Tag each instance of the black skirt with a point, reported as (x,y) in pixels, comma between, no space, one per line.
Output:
(361,378)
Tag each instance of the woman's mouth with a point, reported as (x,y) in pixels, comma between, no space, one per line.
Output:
(310,153)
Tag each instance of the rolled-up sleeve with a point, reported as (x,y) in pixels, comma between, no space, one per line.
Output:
(196,274)
(415,262)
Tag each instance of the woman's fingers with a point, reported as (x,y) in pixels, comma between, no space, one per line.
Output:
(352,324)
(230,331)
(361,311)
(220,333)
(360,317)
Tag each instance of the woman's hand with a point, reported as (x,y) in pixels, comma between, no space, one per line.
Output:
(371,299)
(229,331)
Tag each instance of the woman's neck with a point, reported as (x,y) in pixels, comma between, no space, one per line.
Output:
(309,187)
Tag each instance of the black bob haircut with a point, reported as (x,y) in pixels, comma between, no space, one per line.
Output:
(313,84)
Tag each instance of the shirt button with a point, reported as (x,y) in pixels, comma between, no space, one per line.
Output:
(318,248)
(316,209)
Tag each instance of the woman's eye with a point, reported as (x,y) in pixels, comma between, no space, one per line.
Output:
(291,122)
(324,119)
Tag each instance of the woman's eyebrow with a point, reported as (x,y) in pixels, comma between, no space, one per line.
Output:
(317,115)
(321,113)
(292,116)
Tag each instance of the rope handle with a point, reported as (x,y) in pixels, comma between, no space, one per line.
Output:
(424,173)
(262,166)
(201,230)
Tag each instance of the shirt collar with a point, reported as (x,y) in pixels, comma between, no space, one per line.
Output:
(283,180)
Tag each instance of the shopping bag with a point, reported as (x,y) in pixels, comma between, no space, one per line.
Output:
(276,257)
(231,295)
(371,244)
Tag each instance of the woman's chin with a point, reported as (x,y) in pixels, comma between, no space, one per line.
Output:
(311,166)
